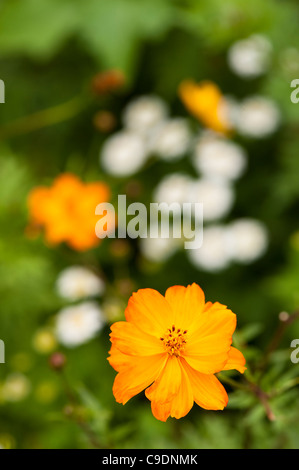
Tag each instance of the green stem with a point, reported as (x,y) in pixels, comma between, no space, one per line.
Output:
(44,118)
(290,384)
(233,383)
(275,341)
(83,425)
(252,388)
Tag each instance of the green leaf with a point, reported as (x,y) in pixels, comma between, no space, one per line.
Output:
(248,333)
(114,29)
(35,27)
(100,416)
(240,400)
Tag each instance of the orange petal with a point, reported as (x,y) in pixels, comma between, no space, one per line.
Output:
(183,401)
(37,198)
(149,311)
(161,411)
(167,384)
(214,307)
(187,304)
(208,347)
(204,101)
(117,359)
(209,364)
(208,392)
(207,306)
(236,360)
(92,195)
(221,321)
(180,403)
(66,185)
(138,374)
(98,192)
(56,231)
(82,242)
(131,340)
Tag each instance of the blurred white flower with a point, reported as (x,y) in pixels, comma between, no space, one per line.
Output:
(176,187)
(16,387)
(171,139)
(227,110)
(78,323)
(144,113)
(216,196)
(213,255)
(124,153)
(77,282)
(257,117)
(247,240)
(250,58)
(159,249)
(218,157)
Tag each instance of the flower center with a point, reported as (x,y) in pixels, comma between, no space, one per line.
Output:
(174,341)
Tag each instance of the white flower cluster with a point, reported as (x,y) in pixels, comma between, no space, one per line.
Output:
(78,323)
(216,195)
(242,241)
(161,248)
(147,130)
(219,158)
(77,282)
(250,57)
(219,162)
(256,116)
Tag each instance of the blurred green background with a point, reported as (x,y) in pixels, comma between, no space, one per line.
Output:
(50,52)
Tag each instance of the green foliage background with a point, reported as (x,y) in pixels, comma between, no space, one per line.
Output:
(49,52)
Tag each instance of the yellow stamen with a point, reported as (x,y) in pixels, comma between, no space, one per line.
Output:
(174,341)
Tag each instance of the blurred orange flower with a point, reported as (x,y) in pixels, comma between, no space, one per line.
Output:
(205,101)
(108,81)
(174,345)
(66,211)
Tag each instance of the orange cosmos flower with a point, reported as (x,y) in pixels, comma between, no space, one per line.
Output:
(66,211)
(172,346)
(205,101)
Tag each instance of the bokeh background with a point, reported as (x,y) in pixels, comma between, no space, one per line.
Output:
(91,89)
